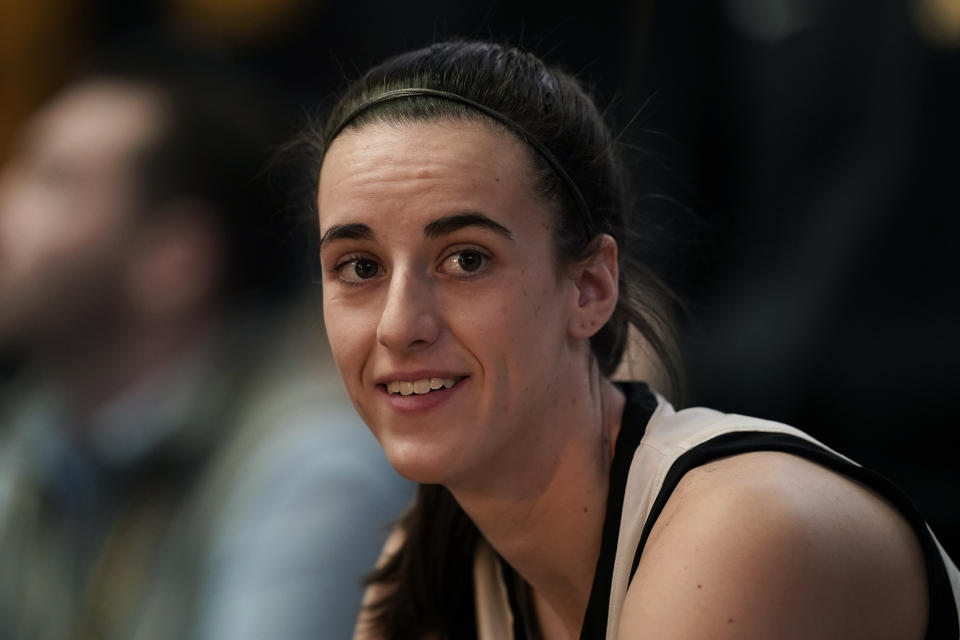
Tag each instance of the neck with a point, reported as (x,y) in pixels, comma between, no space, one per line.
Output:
(563,488)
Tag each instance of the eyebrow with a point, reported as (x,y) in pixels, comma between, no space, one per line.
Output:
(439,227)
(352,231)
(448,224)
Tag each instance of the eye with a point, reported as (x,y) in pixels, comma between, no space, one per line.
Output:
(464,262)
(356,270)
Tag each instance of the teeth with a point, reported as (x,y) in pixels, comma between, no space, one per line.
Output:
(421,386)
(424,385)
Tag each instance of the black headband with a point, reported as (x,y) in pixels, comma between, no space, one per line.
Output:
(525,135)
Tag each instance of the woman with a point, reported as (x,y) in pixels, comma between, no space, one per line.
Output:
(478,292)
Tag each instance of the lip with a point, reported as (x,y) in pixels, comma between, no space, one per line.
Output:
(417,403)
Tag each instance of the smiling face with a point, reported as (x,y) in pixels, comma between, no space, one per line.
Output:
(444,304)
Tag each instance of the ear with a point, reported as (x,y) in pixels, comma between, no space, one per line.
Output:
(596,282)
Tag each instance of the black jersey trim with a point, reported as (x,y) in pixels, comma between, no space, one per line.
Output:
(640,405)
(509,578)
(942,622)
(520,600)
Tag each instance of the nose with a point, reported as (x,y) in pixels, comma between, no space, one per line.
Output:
(410,318)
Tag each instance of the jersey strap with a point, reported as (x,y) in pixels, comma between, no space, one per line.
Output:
(640,405)
(943,619)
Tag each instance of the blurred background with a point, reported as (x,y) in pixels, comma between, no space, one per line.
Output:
(801,155)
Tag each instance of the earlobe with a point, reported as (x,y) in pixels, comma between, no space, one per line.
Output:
(596,281)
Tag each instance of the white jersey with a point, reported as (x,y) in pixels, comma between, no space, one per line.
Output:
(656,447)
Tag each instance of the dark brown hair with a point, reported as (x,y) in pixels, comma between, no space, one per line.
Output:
(431,575)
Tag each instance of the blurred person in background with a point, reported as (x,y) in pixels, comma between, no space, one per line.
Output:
(173,463)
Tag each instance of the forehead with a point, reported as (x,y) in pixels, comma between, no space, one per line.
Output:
(448,163)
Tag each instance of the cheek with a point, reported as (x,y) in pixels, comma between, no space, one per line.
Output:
(347,348)
(338,337)
(539,311)
(351,330)
(516,332)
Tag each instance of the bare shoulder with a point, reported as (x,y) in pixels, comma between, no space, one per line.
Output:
(767,544)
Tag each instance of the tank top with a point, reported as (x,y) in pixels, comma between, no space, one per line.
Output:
(656,446)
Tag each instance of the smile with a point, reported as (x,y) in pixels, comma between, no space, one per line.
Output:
(419,387)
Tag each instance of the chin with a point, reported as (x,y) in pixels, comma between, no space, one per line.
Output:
(420,464)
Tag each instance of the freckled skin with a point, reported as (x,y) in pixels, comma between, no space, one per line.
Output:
(504,328)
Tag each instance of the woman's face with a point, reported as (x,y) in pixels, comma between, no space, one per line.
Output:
(443,301)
